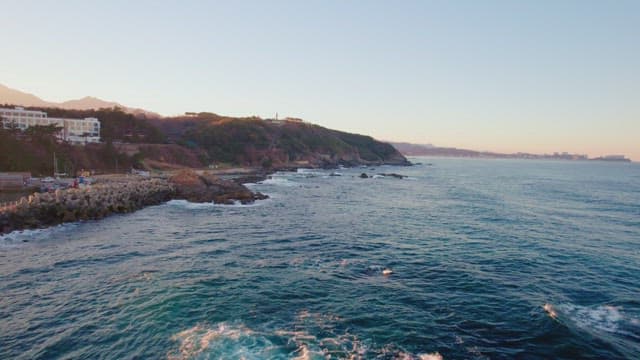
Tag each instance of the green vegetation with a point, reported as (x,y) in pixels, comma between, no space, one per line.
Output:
(115,124)
(368,148)
(251,141)
(32,151)
(196,140)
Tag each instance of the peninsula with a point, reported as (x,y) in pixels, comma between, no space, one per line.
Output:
(199,157)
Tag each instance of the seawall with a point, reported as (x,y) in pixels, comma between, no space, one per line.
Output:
(96,202)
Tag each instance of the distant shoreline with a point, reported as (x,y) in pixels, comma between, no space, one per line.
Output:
(593,160)
(408,149)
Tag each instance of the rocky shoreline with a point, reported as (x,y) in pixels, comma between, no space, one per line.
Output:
(41,210)
(201,188)
(96,202)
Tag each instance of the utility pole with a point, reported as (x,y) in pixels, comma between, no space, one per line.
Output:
(55,165)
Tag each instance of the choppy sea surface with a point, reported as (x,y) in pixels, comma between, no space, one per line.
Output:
(490,259)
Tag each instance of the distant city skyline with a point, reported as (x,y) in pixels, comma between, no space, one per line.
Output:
(538,77)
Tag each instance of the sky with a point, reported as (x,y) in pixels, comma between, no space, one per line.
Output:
(532,76)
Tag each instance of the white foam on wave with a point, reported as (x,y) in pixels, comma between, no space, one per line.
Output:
(607,318)
(307,171)
(433,356)
(237,341)
(190,205)
(392,352)
(278,181)
(199,339)
(18,237)
(209,205)
(550,310)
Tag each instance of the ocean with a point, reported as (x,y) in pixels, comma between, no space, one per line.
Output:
(488,259)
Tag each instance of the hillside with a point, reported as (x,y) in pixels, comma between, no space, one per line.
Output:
(256,142)
(199,140)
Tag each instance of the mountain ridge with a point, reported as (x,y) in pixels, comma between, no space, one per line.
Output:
(17,97)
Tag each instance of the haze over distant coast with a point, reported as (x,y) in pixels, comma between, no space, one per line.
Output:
(431,150)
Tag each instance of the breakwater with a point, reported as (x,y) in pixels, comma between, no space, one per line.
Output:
(95,202)
(120,195)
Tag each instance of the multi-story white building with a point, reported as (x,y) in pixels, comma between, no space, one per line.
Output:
(77,131)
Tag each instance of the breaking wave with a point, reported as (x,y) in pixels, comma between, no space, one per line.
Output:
(18,237)
(606,318)
(278,181)
(311,336)
(190,205)
(209,205)
(609,323)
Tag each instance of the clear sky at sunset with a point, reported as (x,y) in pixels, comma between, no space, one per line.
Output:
(536,76)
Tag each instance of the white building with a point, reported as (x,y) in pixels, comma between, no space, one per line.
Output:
(77,131)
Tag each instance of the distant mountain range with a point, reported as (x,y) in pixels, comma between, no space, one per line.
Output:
(17,97)
(408,149)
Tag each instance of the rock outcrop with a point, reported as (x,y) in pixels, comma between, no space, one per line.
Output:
(193,187)
(128,195)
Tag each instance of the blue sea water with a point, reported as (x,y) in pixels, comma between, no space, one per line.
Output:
(491,259)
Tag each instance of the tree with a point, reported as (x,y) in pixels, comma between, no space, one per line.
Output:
(43,130)
(11,126)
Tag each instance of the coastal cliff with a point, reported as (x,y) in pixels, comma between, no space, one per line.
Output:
(271,144)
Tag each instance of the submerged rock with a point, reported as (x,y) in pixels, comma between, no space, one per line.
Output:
(394,175)
(364,176)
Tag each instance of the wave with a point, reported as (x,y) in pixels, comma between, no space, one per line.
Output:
(278,181)
(304,172)
(311,336)
(15,238)
(433,356)
(190,205)
(222,339)
(610,323)
(209,205)
(606,318)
